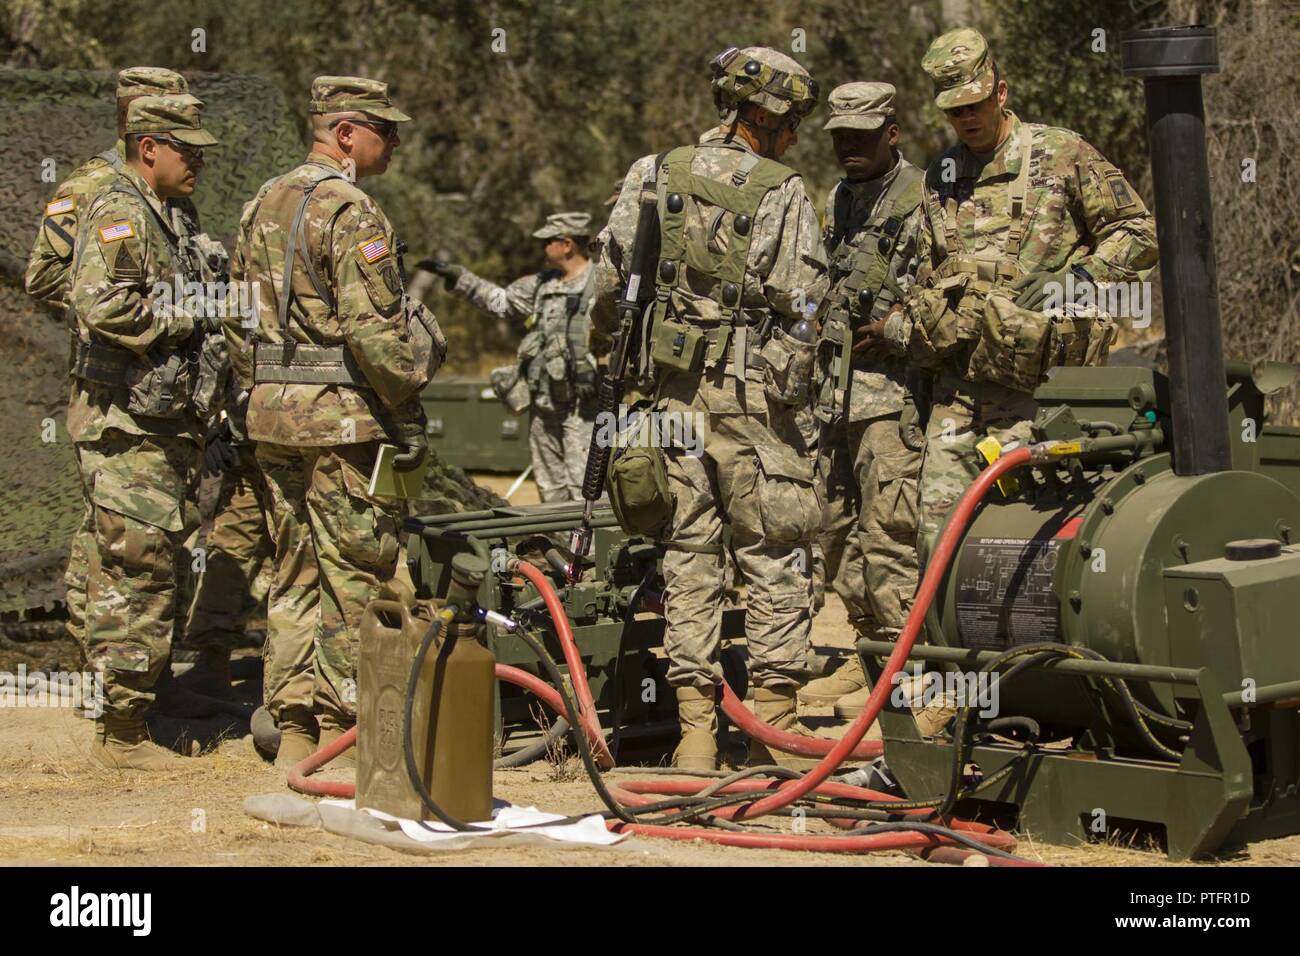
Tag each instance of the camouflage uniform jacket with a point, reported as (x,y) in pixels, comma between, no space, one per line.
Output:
(1079,210)
(352,247)
(121,289)
(877,387)
(557,314)
(785,269)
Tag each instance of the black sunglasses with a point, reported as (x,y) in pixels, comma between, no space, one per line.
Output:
(185,149)
(384,129)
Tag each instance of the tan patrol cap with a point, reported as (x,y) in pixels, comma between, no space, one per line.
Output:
(961,67)
(860,106)
(175,115)
(354,94)
(565,224)
(149,81)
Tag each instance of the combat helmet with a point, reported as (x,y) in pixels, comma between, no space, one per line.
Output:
(766,77)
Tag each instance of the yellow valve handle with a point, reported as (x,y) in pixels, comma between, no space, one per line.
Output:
(990,450)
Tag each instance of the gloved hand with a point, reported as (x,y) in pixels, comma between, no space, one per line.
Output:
(219,452)
(1034,288)
(411,438)
(449,271)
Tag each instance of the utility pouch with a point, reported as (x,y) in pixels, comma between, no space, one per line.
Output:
(160,389)
(427,341)
(637,483)
(832,371)
(787,368)
(937,319)
(511,387)
(212,374)
(678,346)
(1017,345)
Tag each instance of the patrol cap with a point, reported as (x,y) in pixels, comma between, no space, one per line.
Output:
(175,115)
(565,224)
(961,67)
(860,106)
(349,94)
(149,81)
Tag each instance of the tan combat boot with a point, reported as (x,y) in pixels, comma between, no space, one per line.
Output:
(298,733)
(330,731)
(123,744)
(850,705)
(846,679)
(776,706)
(698,715)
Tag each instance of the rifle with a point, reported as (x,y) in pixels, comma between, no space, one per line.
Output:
(609,391)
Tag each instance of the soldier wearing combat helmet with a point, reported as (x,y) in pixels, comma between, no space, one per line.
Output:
(555,375)
(334,369)
(1010,212)
(740,265)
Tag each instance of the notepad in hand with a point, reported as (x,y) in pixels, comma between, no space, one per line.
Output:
(387,482)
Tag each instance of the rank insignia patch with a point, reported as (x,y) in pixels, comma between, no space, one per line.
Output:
(116,231)
(373,249)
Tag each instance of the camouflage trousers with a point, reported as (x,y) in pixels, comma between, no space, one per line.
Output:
(334,546)
(751,471)
(962,415)
(869,522)
(141,490)
(237,545)
(558,443)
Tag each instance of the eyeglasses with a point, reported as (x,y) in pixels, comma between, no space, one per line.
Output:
(188,152)
(384,129)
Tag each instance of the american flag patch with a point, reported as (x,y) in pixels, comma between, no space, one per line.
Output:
(60,206)
(116,231)
(376,248)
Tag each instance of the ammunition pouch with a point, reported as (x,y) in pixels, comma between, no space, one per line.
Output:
(295,363)
(679,346)
(637,483)
(159,388)
(787,368)
(1017,346)
(427,341)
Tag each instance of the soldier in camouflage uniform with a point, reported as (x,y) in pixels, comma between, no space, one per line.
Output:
(137,414)
(335,368)
(554,361)
(50,264)
(1010,211)
(872,219)
(741,262)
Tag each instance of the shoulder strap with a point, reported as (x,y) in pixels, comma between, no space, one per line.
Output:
(1018,214)
(297,235)
(840,216)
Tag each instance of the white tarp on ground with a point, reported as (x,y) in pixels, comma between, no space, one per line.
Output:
(372,826)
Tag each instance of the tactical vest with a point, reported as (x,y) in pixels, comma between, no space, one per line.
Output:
(163,382)
(683,339)
(862,277)
(290,362)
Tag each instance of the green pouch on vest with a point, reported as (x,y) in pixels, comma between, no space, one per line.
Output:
(678,346)
(1016,346)
(637,483)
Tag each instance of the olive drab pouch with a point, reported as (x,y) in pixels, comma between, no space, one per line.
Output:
(637,483)
(160,388)
(511,387)
(787,368)
(678,346)
(558,379)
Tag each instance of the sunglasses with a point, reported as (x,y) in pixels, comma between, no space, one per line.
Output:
(384,129)
(185,149)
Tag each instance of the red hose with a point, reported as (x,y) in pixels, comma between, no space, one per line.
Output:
(577,672)
(744,718)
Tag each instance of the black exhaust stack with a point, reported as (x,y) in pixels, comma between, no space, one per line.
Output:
(1171,62)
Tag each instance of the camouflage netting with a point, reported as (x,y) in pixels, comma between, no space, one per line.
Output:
(66,117)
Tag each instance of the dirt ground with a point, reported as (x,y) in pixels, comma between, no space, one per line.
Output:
(59,807)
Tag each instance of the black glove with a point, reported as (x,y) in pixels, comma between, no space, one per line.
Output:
(1033,288)
(414,444)
(449,271)
(219,452)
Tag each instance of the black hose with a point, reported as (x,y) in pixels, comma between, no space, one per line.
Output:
(526,755)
